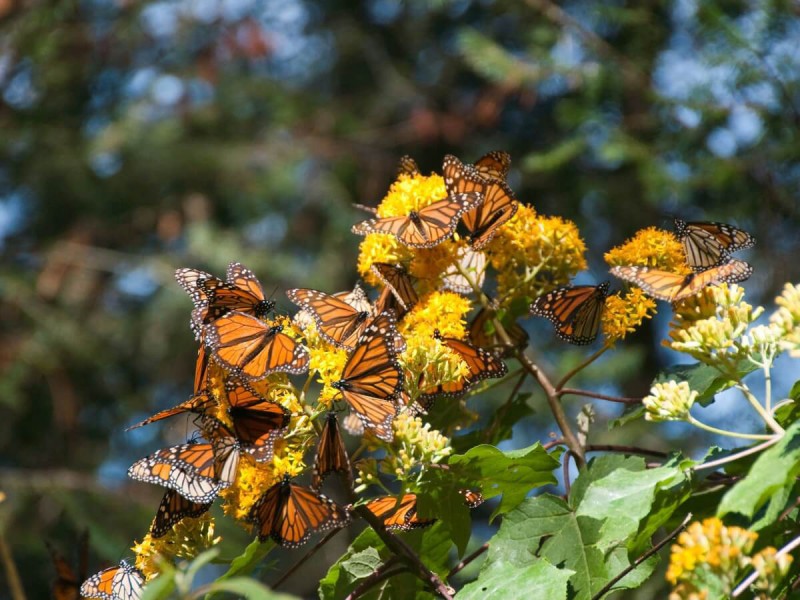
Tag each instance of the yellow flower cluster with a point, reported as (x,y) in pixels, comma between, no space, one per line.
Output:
(669,401)
(424,354)
(527,247)
(406,194)
(710,549)
(717,338)
(651,247)
(787,318)
(417,443)
(623,314)
(187,539)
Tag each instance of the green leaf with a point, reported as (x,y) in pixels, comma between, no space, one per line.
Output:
(632,412)
(789,412)
(704,379)
(361,564)
(162,586)
(774,470)
(244,587)
(248,560)
(340,579)
(509,581)
(198,562)
(794,393)
(513,474)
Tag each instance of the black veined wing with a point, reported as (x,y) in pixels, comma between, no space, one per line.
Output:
(66,585)
(257,422)
(201,370)
(191,469)
(708,244)
(482,333)
(331,453)
(198,403)
(399,282)
(494,165)
(388,302)
(672,287)
(122,582)
(408,166)
(426,227)
(253,349)
(472,498)
(290,514)
(473,263)
(372,379)
(338,322)
(574,310)
(498,206)
(481,363)
(398,515)
(173,509)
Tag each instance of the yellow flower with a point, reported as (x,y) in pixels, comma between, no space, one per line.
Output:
(622,315)
(327,362)
(406,194)
(787,319)
(534,254)
(187,539)
(430,264)
(651,247)
(416,444)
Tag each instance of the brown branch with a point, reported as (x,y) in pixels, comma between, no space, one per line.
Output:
(303,560)
(565,468)
(383,572)
(580,367)
(589,394)
(553,443)
(468,560)
(642,558)
(626,449)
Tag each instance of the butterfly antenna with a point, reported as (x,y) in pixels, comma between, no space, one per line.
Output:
(365,208)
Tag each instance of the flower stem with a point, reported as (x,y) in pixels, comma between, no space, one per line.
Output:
(733,457)
(768,419)
(754,575)
(767,387)
(574,371)
(590,394)
(712,429)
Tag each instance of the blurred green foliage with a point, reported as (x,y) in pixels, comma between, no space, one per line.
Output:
(143,136)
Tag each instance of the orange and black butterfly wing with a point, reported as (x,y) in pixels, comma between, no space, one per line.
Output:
(290,514)
(398,516)
(498,206)
(189,469)
(708,244)
(672,287)
(338,322)
(733,271)
(494,165)
(472,498)
(253,349)
(66,585)
(331,454)
(200,286)
(574,311)
(173,509)
(243,293)
(198,403)
(481,363)
(398,281)
(122,582)
(372,378)
(408,166)
(257,422)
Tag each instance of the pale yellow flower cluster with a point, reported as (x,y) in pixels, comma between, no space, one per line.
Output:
(669,401)
(187,539)
(418,444)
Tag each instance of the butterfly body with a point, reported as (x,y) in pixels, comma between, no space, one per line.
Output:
(331,454)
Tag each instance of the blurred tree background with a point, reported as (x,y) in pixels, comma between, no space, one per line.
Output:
(138,137)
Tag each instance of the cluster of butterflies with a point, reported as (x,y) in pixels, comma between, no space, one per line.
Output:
(242,348)
(576,311)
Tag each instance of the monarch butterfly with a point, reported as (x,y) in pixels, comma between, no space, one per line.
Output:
(398,515)
(481,364)
(498,206)
(338,322)
(214,298)
(482,333)
(708,244)
(408,166)
(574,310)
(67,583)
(290,514)
(471,261)
(672,287)
(198,403)
(472,498)
(201,369)
(331,453)
(122,582)
(173,509)
(426,227)
(372,379)
(253,349)
(399,282)
(494,165)
(257,422)
(193,470)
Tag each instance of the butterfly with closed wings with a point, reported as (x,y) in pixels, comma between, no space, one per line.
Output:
(338,322)
(575,311)
(331,454)
(708,244)
(123,582)
(173,509)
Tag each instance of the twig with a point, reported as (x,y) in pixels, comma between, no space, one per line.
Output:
(642,558)
(733,457)
(565,467)
(468,560)
(789,510)
(553,443)
(742,587)
(308,555)
(12,574)
(626,449)
(580,367)
(384,571)
(589,394)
